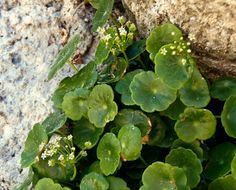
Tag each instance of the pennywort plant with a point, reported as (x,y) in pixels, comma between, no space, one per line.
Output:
(138,116)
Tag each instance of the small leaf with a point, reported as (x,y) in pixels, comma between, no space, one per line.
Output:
(174,110)
(131,142)
(228,116)
(108,152)
(132,117)
(164,176)
(137,48)
(85,78)
(220,158)
(112,71)
(188,160)
(122,87)
(84,132)
(94,181)
(34,143)
(195,124)
(173,69)
(116,183)
(160,36)
(148,91)
(75,103)
(223,88)
(195,91)
(194,146)
(48,184)
(103,12)
(223,183)
(64,55)
(102,108)
(54,122)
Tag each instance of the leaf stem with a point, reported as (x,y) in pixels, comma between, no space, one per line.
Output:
(126,58)
(141,158)
(74,174)
(217,116)
(73,67)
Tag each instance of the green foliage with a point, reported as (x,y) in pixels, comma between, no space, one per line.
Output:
(228,118)
(145,118)
(64,55)
(104,10)
(150,93)
(102,108)
(220,158)
(131,142)
(188,160)
(34,143)
(195,124)
(223,88)
(164,176)
(94,181)
(108,152)
(48,184)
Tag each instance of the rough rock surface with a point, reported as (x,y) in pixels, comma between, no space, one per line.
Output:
(31,33)
(212,22)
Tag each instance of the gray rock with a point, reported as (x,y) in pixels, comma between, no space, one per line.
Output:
(213,23)
(31,33)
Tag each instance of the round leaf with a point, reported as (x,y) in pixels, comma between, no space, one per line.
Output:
(116,183)
(150,93)
(194,146)
(195,124)
(102,108)
(160,36)
(223,183)
(133,117)
(188,160)
(195,91)
(75,103)
(108,152)
(122,87)
(173,70)
(94,181)
(85,132)
(131,142)
(228,116)
(223,88)
(220,158)
(48,184)
(164,176)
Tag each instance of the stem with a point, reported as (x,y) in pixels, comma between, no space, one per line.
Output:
(73,67)
(74,174)
(126,58)
(141,158)
(217,116)
(116,25)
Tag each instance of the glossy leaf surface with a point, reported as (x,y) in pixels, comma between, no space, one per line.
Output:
(48,184)
(150,93)
(116,183)
(223,183)
(195,124)
(136,49)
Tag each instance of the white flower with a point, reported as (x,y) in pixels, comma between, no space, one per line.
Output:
(107,37)
(83,153)
(88,144)
(189,50)
(173,52)
(73,149)
(43,156)
(61,157)
(121,19)
(191,37)
(69,137)
(71,156)
(172,33)
(51,162)
(122,31)
(184,61)
(163,51)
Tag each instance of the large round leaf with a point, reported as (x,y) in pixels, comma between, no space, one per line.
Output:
(133,117)
(122,87)
(162,35)
(223,88)
(102,108)
(85,132)
(188,160)
(116,183)
(173,70)
(161,176)
(194,146)
(228,116)
(94,181)
(131,142)
(75,103)
(220,158)
(195,124)
(195,91)
(48,184)
(150,93)
(223,183)
(108,152)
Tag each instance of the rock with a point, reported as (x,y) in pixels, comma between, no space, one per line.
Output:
(31,33)
(213,23)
